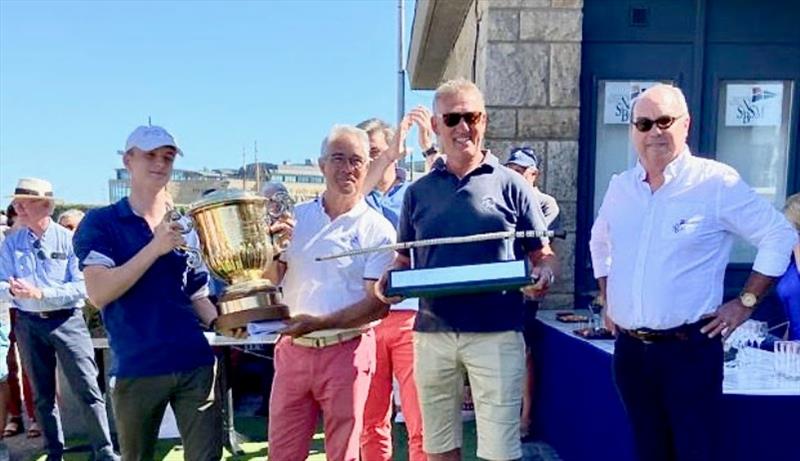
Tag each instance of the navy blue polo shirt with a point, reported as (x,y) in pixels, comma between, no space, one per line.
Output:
(152,328)
(491,198)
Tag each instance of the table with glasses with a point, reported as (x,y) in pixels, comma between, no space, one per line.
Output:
(577,409)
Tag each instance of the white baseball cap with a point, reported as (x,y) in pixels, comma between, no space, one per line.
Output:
(147,138)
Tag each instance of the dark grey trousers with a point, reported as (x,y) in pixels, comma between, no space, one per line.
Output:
(139,405)
(63,335)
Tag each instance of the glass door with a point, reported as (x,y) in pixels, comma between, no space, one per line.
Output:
(753,132)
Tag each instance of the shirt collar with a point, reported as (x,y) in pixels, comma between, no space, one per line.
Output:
(124,209)
(47,231)
(672,169)
(359,208)
(490,162)
(401,173)
(677,165)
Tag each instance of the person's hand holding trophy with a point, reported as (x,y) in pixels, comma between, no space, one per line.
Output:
(241,236)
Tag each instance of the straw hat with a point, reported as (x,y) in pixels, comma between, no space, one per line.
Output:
(33,188)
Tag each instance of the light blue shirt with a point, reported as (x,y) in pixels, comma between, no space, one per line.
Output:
(52,267)
(390,204)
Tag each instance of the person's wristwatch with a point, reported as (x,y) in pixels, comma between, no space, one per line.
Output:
(430,151)
(748,300)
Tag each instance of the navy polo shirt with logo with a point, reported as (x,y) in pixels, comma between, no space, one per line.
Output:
(491,198)
(152,328)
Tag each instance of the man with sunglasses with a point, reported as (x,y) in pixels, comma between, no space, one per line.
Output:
(39,273)
(468,192)
(659,247)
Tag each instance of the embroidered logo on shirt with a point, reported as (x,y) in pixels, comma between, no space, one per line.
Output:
(686,224)
(488,203)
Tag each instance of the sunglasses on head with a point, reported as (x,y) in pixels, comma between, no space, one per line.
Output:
(645,124)
(453,118)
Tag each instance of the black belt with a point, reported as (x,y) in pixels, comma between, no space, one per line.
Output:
(50,314)
(679,333)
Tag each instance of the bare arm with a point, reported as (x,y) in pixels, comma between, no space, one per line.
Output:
(400,262)
(275,272)
(205,310)
(282,232)
(104,284)
(733,313)
(545,268)
(353,316)
(386,159)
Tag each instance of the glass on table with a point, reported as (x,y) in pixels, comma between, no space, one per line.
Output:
(787,359)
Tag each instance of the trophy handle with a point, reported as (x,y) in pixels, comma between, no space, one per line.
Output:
(193,258)
(278,204)
(187,225)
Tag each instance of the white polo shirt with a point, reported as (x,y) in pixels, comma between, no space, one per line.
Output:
(323,287)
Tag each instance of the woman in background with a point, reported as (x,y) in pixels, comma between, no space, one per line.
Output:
(788,287)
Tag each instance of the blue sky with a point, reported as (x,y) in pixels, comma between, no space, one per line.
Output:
(77,77)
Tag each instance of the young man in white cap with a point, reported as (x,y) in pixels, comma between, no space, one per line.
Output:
(39,273)
(153,306)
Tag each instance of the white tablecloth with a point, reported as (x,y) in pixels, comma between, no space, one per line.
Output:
(759,378)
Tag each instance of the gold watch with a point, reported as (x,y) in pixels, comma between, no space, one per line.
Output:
(748,300)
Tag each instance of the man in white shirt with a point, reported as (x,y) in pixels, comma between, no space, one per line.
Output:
(660,246)
(326,355)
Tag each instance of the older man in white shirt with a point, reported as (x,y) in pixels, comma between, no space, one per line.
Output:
(326,356)
(660,245)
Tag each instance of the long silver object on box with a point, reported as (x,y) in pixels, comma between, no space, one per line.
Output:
(456,280)
(500,235)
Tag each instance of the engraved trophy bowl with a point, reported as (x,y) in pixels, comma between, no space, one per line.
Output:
(233,227)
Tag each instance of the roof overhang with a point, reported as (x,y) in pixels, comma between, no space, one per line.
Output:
(437,25)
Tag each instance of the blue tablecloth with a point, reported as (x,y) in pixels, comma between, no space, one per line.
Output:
(577,409)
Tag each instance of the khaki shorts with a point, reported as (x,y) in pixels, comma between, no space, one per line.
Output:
(495,364)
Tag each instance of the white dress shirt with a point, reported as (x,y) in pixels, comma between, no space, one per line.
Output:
(324,287)
(665,252)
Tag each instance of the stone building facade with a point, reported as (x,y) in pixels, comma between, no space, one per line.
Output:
(525,56)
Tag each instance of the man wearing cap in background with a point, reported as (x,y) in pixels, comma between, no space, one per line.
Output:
(152,305)
(39,273)
(524,161)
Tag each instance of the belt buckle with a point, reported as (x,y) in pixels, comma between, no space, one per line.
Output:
(644,335)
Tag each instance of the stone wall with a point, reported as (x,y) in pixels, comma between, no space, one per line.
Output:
(531,80)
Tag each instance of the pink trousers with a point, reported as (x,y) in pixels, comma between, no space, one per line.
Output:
(395,357)
(334,381)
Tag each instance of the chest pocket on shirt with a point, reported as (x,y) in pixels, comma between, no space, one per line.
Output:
(56,267)
(684,220)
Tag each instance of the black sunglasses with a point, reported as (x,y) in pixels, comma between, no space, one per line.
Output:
(37,245)
(453,118)
(644,124)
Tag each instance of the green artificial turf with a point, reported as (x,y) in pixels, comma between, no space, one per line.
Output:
(254,429)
